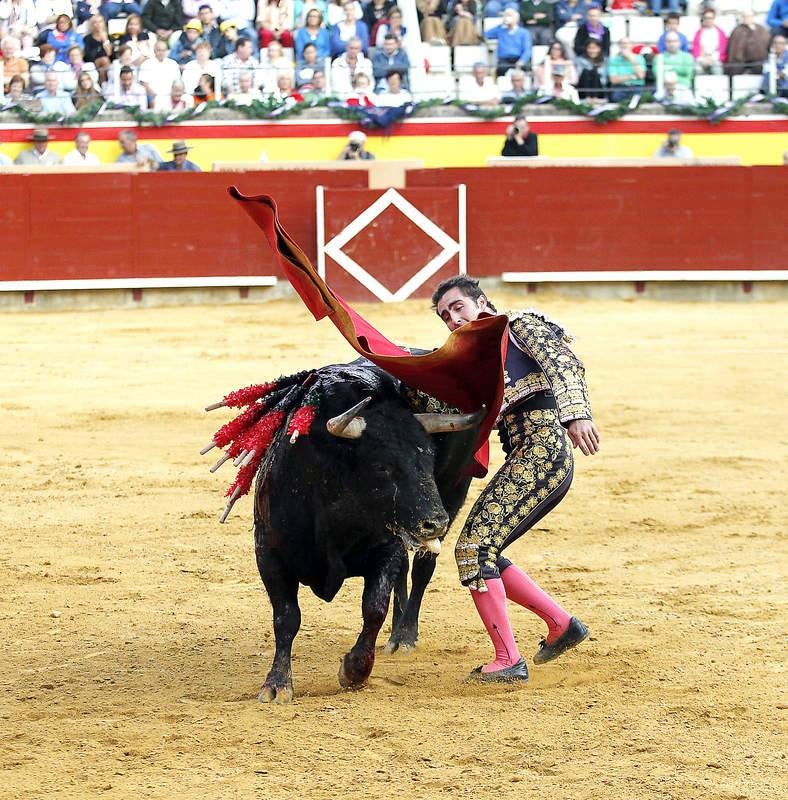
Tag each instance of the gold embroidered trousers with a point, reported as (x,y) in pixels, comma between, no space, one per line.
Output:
(534,478)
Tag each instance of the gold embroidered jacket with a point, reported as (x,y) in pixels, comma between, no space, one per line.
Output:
(554,366)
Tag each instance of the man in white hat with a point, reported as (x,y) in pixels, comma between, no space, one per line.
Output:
(40,155)
(179,161)
(354,149)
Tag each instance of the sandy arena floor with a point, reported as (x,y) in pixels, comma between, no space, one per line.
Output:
(137,632)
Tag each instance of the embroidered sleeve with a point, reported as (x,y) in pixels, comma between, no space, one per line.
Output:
(563,369)
(423,403)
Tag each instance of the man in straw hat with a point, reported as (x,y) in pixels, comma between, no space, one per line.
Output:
(40,155)
(179,161)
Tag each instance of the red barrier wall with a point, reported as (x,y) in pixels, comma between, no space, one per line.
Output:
(619,218)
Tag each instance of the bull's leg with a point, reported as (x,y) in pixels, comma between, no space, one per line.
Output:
(405,633)
(282,590)
(357,664)
(400,589)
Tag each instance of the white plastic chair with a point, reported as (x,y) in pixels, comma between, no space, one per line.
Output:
(617,25)
(465,56)
(438,56)
(539,54)
(644,30)
(689,27)
(717,87)
(744,85)
(491,22)
(430,85)
(727,22)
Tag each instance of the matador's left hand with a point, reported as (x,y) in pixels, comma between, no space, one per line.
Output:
(584,435)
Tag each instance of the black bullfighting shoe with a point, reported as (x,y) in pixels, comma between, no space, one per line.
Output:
(517,673)
(570,638)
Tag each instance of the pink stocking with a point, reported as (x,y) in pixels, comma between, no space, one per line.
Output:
(491,606)
(522,590)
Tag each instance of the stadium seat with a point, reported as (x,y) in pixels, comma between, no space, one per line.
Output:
(430,85)
(744,85)
(645,29)
(289,54)
(727,22)
(689,26)
(465,56)
(717,87)
(504,83)
(538,54)
(438,57)
(491,22)
(116,27)
(617,25)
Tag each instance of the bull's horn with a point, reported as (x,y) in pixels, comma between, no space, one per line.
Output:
(446,423)
(348,425)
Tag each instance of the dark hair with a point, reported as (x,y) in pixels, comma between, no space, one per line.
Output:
(126,71)
(673,15)
(391,36)
(468,286)
(241,41)
(560,44)
(17,79)
(394,72)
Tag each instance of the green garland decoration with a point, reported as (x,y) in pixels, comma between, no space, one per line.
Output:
(270,109)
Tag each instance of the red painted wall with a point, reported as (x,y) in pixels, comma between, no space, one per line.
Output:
(121,225)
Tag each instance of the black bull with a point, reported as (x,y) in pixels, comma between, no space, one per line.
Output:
(343,504)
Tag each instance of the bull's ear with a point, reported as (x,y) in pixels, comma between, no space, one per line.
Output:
(449,423)
(348,425)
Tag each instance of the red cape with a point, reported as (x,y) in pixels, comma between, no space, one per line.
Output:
(466,372)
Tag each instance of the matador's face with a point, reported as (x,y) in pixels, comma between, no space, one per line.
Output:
(456,308)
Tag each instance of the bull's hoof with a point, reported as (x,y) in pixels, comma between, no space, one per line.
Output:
(398,646)
(350,676)
(271,693)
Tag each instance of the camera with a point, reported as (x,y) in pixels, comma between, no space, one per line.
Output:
(355,147)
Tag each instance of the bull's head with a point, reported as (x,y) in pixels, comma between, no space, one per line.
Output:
(426,530)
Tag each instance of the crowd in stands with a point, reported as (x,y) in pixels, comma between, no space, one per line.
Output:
(167,56)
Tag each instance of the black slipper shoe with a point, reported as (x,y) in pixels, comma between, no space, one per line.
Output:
(570,638)
(516,673)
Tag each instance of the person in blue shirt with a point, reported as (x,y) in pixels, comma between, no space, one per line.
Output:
(53,99)
(777,18)
(514,43)
(179,161)
(62,37)
(183,51)
(390,58)
(672,26)
(314,33)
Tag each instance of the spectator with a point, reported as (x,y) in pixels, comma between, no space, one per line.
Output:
(313,33)
(672,26)
(247,93)
(45,65)
(302,7)
(348,28)
(123,60)
(179,161)
(390,57)
(77,65)
(62,37)
(362,92)
(569,15)
(355,149)
(393,25)
(592,71)
(242,10)
(80,156)
(285,92)
(16,95)
(376,11)
(177,101)
(777,18)
(47,12)
(514,43)
(626,72)
(53,99)
(210,29)
(317,88)
(520,139)
(20,18)
(335,12)
(672,147)
(140,41)
(592,30)
(307,65)
(40,155)
(777,64)
(275,57)
(86,92)
(539,19)
(481,90)
(518,90)
(162,17)
(115,8)
(98,48)
(201,65)
(432,14)
(709,45)
(674,93)
(676,61)
(657,6)
(183,51)
(129,93)
(344,68)
(206,89)
(560,86)
(240,61)
(557,59)
(463,22)
(13,64)
(157,74)
(275,23)
(394,94)
(748,47)
(134,153)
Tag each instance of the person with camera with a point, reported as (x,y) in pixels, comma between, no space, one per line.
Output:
(520,140)
(672,147)
(354,149)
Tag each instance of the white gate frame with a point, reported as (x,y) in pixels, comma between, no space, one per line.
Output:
(391,197)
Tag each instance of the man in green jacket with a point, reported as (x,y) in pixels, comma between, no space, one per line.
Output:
(674,59)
